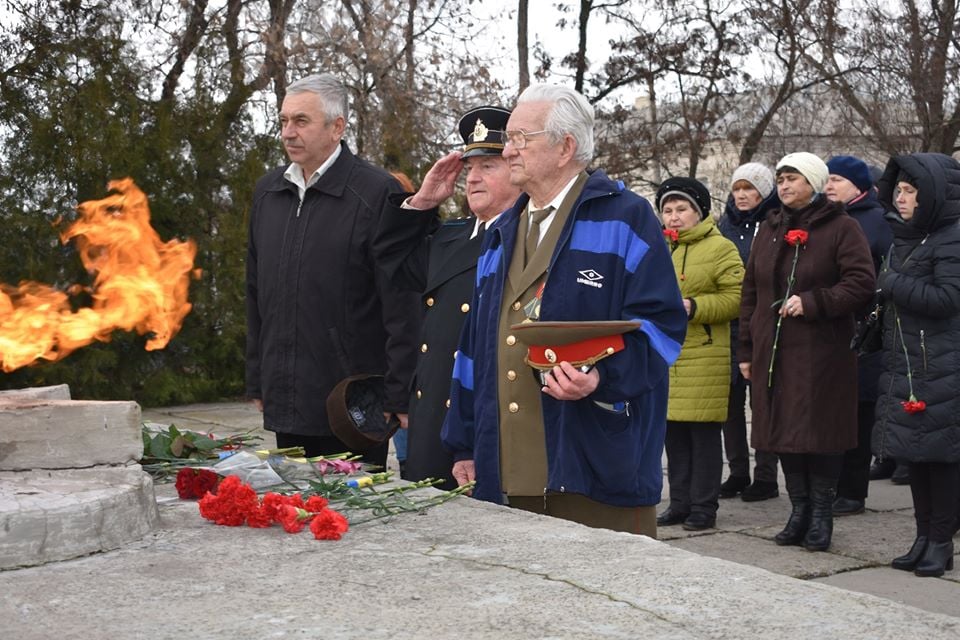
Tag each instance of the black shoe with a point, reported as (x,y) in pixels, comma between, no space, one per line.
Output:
(823,493)
(796,527)
(908,561)
(901,475)
(698,521)
(760,490)
(847,506)
(882,469)
(733,485)
(671,517)
(937,558)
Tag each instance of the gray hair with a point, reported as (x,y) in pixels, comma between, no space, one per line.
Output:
(330,90)
(571,113)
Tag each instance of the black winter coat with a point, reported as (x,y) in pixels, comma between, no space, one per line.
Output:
(922,288)
(318,307)
(441,263)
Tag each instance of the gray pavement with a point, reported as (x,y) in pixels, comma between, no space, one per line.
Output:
(468,569)
(858,559)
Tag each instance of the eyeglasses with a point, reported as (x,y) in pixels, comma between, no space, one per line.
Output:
(518,138)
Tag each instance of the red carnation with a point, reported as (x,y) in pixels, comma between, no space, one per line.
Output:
(796,237)
(671,235)
(914,406)
(316,503)
(293,519)
(328,525)
(231,505)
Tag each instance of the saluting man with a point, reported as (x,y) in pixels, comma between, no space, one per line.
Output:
(441,263)
(586,444)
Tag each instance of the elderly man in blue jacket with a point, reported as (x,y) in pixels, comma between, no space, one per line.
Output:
(580,443)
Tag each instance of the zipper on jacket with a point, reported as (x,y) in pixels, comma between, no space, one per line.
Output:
(923,351)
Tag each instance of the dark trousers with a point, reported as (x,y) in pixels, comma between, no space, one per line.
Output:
(855,474)
(934,486)
(694,466)
(735,439)
(331,445)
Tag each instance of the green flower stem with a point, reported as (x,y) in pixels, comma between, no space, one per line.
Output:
(906,356)
(786,296)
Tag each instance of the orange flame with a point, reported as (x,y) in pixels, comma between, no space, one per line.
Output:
(140,284)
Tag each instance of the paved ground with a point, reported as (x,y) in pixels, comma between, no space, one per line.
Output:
(858,560)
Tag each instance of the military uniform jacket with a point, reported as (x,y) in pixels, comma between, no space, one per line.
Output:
(440,262)
(610,263)
(318,307)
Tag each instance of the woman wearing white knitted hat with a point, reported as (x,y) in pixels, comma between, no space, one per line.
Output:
(753,195)
(809,271)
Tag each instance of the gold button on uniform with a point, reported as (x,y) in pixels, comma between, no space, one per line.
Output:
(513,407)
(430,302)
(511,340)
(419,394)
(511,375)
(423,348)
(448,403)
(517,306)
(465,307)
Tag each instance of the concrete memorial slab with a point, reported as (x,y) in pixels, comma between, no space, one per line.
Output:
(464,569)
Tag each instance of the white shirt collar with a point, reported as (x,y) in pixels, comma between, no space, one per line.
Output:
(477,223)
(294,172)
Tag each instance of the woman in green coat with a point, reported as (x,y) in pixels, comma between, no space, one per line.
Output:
(710,272)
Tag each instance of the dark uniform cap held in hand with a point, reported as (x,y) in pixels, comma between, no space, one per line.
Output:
(355,412)
(692,190)
(481,130)
(579,343)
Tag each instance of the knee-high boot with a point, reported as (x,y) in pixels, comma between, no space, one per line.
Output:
(796,527)
(823,491)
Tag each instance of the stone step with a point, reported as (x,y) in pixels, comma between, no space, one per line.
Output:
(53,515)
(38,433)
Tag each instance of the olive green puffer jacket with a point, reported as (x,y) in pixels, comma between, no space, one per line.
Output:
(710,272)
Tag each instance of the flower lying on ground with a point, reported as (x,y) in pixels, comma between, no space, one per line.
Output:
(195,483)
(236,503)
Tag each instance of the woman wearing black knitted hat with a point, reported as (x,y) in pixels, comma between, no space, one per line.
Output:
(709,272)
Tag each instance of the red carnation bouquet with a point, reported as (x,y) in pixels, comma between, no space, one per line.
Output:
(236,503)
(796,238)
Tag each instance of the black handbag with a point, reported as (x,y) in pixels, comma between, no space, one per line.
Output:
(868,338)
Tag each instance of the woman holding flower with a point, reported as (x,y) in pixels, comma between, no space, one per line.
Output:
(709,272)
(918,413)
(809,271)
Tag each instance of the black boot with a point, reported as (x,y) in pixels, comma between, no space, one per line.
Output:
(908,562)
(823,491)
(937,558)
(799,521)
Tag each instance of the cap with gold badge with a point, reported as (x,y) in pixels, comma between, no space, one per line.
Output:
(481,130)
(582,344)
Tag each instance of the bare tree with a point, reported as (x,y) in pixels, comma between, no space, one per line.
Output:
(905,90)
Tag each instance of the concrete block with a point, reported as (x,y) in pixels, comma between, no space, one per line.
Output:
(47,516)
(65,434)
(55,392)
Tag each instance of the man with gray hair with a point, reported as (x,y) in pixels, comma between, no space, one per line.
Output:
(319,309)
(581,261)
